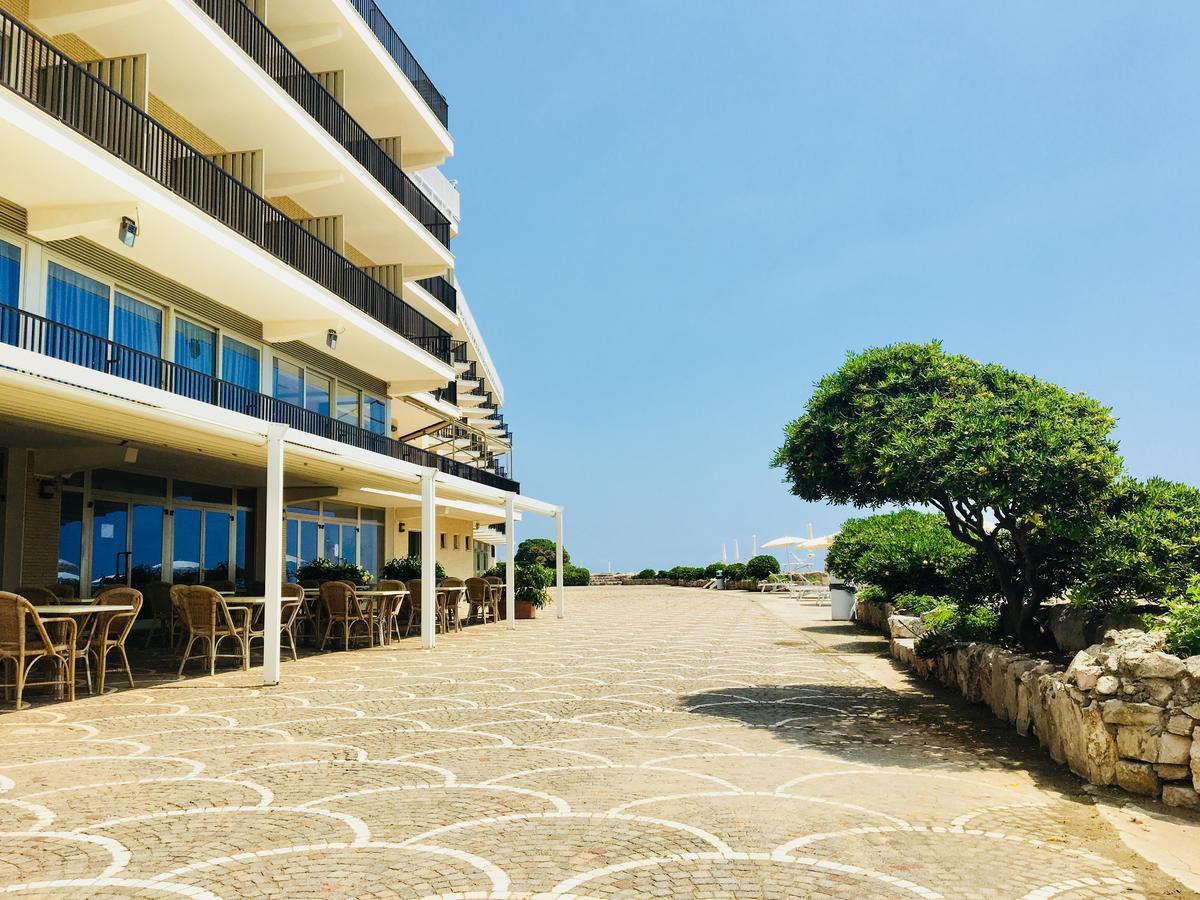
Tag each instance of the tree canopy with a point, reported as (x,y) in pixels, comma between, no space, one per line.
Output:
(1016,465)
(541,551)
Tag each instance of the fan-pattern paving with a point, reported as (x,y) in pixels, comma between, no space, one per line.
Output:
(659,742)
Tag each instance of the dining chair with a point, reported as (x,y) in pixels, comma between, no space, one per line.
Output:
(414,607)
(157,596)
(25,641)
(450,595)
(479,595)
(390,608)
(210,621)
(343,610)
(111,629)
(291,606)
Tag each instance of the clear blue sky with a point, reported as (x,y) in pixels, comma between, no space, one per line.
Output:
(679,215)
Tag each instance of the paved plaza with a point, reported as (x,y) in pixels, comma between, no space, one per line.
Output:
(659,742)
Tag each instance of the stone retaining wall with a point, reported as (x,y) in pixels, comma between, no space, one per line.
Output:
(1124,712)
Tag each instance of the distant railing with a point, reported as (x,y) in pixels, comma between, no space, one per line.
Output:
(49,338)
(396,48)
(442,290)
(32,68)
(260,43)
(447,394)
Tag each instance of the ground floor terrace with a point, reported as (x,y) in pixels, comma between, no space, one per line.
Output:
(660,742)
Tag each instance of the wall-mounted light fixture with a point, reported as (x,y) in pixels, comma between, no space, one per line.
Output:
(128,231)
(331,339)
(45,489)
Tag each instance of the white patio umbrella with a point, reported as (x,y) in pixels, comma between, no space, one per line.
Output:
(802,543)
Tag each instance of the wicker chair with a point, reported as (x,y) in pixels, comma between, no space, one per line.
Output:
(414,607)
(24,641)
(343,610)
(390,609)
(479,595)
(157,595)
(207,619)
(289,612)
(450,608)
(111,630)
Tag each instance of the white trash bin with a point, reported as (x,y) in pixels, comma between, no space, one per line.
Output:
(841,602)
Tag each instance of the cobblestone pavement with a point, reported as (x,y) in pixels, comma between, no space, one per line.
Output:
(660,742)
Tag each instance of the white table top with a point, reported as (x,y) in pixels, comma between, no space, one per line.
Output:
(82,609)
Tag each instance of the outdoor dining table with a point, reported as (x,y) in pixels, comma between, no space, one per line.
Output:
(445,594)
(373,597)
(82,611)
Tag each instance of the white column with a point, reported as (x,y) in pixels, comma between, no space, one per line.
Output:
(558,564)
(510,567)
(428,559)
(273,553)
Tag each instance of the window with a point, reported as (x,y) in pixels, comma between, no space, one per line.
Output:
(137,325)
(316,393)
(70,538)
(195,347)
(81,304)
(240,364)
(374,414)
(467,542)
(10,273)
(442,540)
(456,542)
(347,405)
(289,382)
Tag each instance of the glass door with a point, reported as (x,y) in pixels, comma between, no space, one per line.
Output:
(145,544)
(110,545)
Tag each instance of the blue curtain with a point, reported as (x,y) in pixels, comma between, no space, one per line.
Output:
(10,286)
(195,361)
(137,326)
(81,303)
(240,377)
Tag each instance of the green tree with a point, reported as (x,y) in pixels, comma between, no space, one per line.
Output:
(1146,546)
(762,566)
(1018,467)
(540,551)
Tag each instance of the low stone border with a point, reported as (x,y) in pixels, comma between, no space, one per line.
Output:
(1122,713)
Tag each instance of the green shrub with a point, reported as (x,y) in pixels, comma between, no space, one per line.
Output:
(576,576)
(762,566)
(918,604)
(712,570)
(1181,621)
(646,573)
(407,569)
(662,573)
(1145,547)
(685,573)
(735,572)
(540,550)
(948,624)
(530,581)
(333,570)
(908,552)
(870,593)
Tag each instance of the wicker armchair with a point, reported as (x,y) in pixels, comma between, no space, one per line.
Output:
(24,641)
(157,595)
(208,620)
(479,595)
(390,609)
(414,608)
(343,610)
(449,601)
(111,630)
(289,612)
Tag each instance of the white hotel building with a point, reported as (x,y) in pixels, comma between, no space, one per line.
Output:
(231,338)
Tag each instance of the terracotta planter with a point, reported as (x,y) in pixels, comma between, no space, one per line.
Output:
(524,610)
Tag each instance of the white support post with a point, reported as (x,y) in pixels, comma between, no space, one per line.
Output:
(273,555)
(558,564)
(510,566)
(428,559)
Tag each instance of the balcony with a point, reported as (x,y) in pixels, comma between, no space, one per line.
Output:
(32,69)
(392,43)
(441,290)
(39,335)
(249,32)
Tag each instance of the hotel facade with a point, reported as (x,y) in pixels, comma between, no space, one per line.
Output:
(231,337)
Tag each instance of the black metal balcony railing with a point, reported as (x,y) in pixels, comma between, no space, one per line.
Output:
(32,68)
(34,333)
(442,290)
(250,33)
(395,47)
(447,394)
(458,352)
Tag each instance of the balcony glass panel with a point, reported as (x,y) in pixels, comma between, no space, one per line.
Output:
(374,415)
(316,393)
(216,545)
(347,405)
(186,563)
(10,273)
(289,382)
(137,325)
(240,364)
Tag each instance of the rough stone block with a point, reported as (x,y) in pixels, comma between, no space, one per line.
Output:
(1118,712)
(1138,777)
(1181,796)
(1087,677)
(1158,690)
(1171,773)
(1181,724)
(905,627)
(1138,742)
(1107,684)
(1153,664)
(1174,749)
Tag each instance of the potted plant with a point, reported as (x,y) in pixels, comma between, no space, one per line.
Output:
(322,570)
(530,581)
(407,569)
